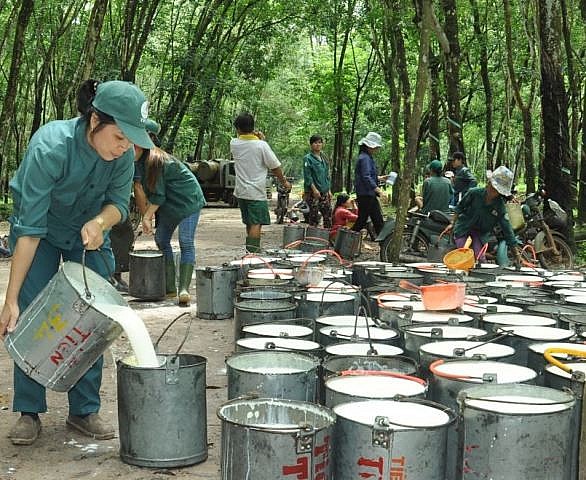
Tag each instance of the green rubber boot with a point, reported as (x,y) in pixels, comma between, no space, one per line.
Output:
(185,273)
(171,287)
(252,245)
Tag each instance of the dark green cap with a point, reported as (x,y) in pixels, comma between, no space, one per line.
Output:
(435,166)
(126,103)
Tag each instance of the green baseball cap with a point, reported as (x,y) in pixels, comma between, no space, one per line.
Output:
(435,166)
(129,108)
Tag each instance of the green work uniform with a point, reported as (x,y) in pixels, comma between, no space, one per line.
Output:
(60,185)
(177,191)
(317,172)
(474,214)
(437,192)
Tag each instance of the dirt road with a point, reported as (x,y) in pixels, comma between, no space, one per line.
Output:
(63,454)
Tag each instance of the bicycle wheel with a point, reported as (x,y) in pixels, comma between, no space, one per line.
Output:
(417,253)
(563,261)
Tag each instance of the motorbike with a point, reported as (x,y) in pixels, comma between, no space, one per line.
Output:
(421,232)
(545,227)
(282,208)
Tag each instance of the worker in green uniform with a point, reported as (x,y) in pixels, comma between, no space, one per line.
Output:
(71,187)
(316,183)
(175,200)
(437,190)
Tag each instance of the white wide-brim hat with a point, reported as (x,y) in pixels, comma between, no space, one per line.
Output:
(372,140)
(501,179)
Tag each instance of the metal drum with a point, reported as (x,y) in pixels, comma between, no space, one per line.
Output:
(360,269)
(416,335)
(273,374)
(250,312)
(330,335)
(162,412)
(492,322)
(215,287)
(462,349)
(378,385)
(557,378)
(391,279)
(315,305)
(572,317)
(278,343)
(348,243)
(537,362)
(265,439)
(317,233)
(293,233)
(146,275)
(391,440)
(362,348)
(520,338)
(451,377)
(343,321)
(265,294)
(289,329)
(525,428)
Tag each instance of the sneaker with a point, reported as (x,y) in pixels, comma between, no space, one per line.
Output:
(26,430)
(92,426)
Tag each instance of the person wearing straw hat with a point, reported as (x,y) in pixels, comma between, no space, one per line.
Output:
(481,209)
(71,187)
(366,180)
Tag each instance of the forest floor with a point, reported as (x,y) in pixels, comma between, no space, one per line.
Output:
(61,453)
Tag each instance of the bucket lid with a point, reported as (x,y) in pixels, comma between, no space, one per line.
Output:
(518,319)
(577,299)
(362,348)
(472,371)
(575,366)
(400,415)
(447,331)
(539,332)
(344,320)
(375,333)
(375,386)
(277,343)
(277,330)
(439,317)
(447,349)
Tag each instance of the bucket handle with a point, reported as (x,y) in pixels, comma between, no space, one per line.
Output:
(171,323)
(88,294)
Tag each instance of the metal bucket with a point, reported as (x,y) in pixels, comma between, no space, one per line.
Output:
(462,349)
(574,382)
(451,377)
(311,246)
(279,343)
(292,233)
(273,374)
(392,278)
(62,333)
(317,233)
(572,317)
(360,269)
(265,439)
(264,294)
(391,440)
(162,412)
(537,362)
(416,335)
(146,277)
(314,305)
(525,428)
(215,288)
(250,312)
(299,328)
(520,338)
(330,335)
(360,385)
(348,243)
(362,348)
(492,322)
(401,320)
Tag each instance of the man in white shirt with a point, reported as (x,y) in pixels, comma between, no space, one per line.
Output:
(253,157)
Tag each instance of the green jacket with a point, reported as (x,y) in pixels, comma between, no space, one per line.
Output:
(437,193)
(62,183)
(316,171)
(475,214)
(177,191)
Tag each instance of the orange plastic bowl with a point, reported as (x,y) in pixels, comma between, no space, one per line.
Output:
(459,259)
(443,296)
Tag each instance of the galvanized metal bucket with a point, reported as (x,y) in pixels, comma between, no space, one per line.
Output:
(537,362)
(362,348)
(348,243)
(63,331)
(298,328)
(215,287)
(279,343)
(391,439)
(162,412)
(520,338)
(265,439)
(273,374)
(414,336)
(146,277)
(315,305)
(525,428)
(292,233)
(351,386)
(250,312)
(330,335)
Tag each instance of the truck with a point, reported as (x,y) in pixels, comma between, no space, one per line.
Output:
(217,179)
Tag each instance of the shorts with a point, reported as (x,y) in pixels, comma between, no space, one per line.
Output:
(254,212)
